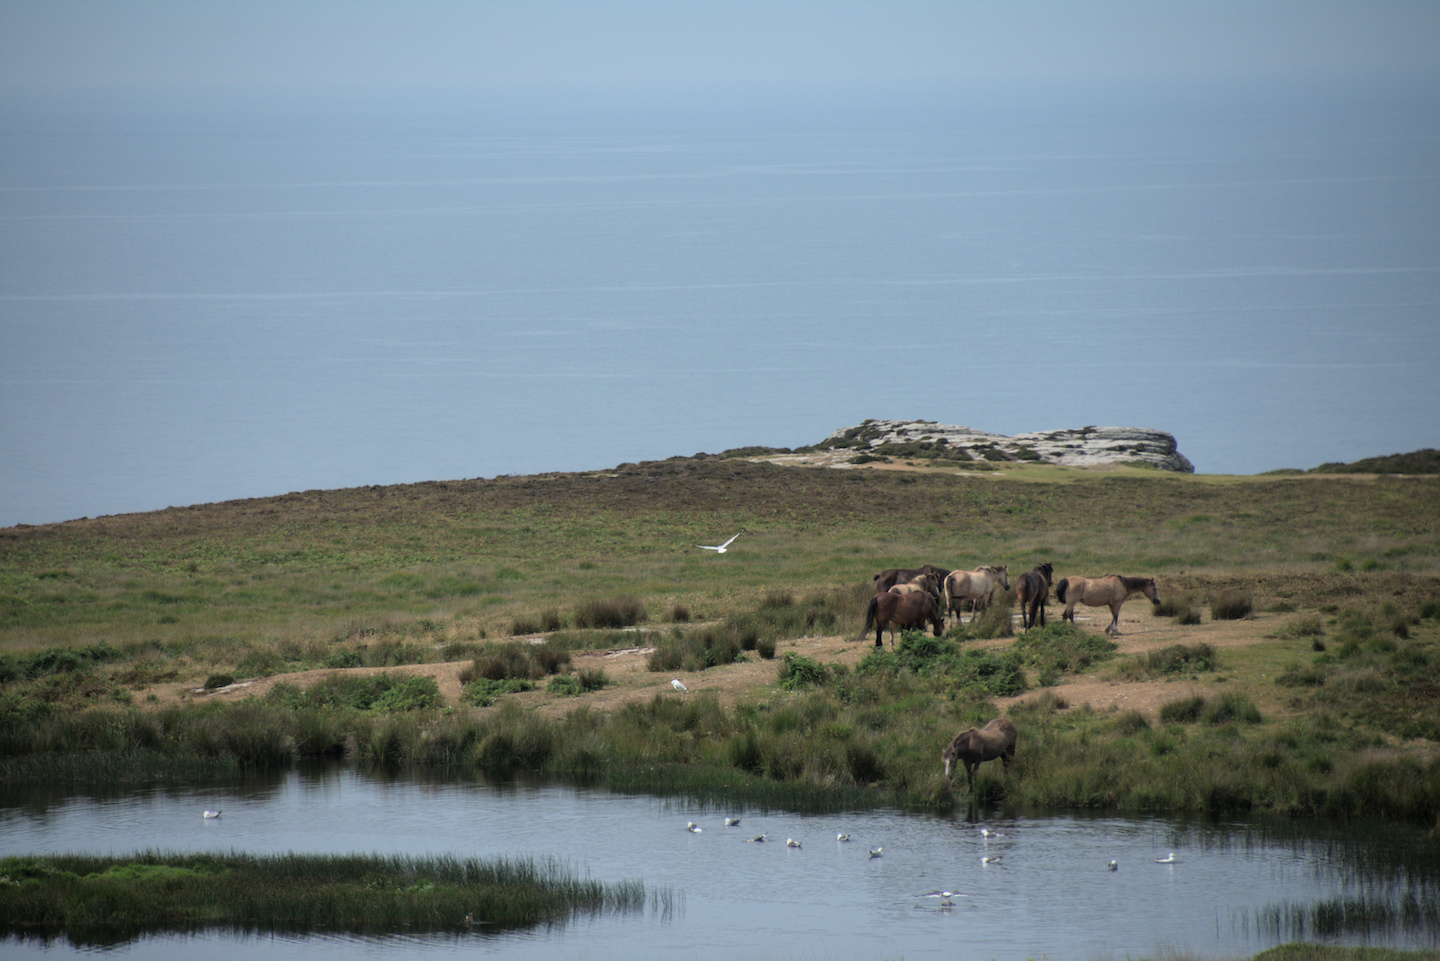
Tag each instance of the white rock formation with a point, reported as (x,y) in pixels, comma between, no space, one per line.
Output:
(1081,447)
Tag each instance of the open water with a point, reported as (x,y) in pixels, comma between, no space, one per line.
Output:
(204,304)
(1049,894)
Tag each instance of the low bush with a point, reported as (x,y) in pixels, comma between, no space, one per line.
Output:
(798,671)
(486,691)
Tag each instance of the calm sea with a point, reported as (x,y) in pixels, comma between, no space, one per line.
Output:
(198,305)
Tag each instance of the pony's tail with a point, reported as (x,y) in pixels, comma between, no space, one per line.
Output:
(870,615)
(1060,589)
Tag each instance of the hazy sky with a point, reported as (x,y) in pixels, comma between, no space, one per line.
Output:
(134,46)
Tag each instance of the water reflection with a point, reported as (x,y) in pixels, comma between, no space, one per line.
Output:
(1234,889)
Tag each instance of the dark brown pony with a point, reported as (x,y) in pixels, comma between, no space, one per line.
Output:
(1033,590)
(1112,590)
(901,612)
(896,575)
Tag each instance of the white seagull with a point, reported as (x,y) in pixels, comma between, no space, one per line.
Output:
(679,685)
(757,839)
(691,827)
(1169,860)
(210,814)
(718,548)
(1113,866)
(945,897)
(791,843)
(991,858)
(842,837)
(875,852)
(732,822)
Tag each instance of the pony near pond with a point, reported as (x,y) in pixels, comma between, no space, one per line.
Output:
(887,579)
(976,586)
(974,746)
(1111,591)
(1033,590)
(900,612)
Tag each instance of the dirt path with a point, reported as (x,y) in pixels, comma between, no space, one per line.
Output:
(631,680)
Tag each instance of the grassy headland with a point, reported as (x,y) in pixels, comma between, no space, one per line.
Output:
(1340,576)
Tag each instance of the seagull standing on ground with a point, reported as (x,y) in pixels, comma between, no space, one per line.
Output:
(679,685)
(718,548)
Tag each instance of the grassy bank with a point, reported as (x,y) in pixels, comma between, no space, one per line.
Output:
(106,900)
(1330,709)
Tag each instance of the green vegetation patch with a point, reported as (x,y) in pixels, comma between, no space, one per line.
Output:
(108,900)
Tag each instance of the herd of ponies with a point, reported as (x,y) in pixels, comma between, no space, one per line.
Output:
(911,599)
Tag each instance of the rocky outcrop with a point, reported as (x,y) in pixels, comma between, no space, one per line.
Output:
(1080,447)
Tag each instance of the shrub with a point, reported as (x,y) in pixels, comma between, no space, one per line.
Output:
(1184,711)
(216,681)
(485,691)
(1231,606)
(1307,625)
(572,685)
(797,671)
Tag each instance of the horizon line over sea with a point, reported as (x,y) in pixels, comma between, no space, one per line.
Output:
(201,304)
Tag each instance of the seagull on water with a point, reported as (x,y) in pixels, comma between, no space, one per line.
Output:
(210,814)
(692,827)
(732,822)
(757,839)
(718,548)
(791,843)
(679,685)
(946,896)
(842,837)
(987,834)
(1113,866)
(1169,860)
(991,858)
(875,852)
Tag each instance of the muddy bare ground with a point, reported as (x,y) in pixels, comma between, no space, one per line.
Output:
(754,680)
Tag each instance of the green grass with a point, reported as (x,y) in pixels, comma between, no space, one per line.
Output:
(96,614)
(109,900)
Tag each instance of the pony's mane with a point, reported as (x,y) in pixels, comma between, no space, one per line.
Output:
(1132,583)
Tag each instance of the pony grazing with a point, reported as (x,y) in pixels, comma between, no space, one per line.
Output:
(977,586)
(887,579)
(900,612)
(1033,590)
(972,747)
(1111,591)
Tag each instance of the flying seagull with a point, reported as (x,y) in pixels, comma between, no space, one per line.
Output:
(718,548)
(679,685)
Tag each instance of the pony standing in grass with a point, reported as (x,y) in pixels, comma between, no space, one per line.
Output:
(976,586)
(1033,590)
(1111,591)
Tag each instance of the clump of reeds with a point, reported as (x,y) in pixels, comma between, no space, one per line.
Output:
(1181,606)
(105,898)
(1175,659)
(1231,605)
(611,612)
(581,682)
(1230,706)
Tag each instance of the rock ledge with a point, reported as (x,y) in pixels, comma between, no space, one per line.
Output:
(1078,447)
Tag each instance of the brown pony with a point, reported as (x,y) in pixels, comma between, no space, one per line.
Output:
(976,585)
(1112,590)
(971,747)
(1033,590)
(928,583)
(900,612)
(889,578)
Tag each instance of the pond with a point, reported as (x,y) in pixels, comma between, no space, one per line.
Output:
(1232,889)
